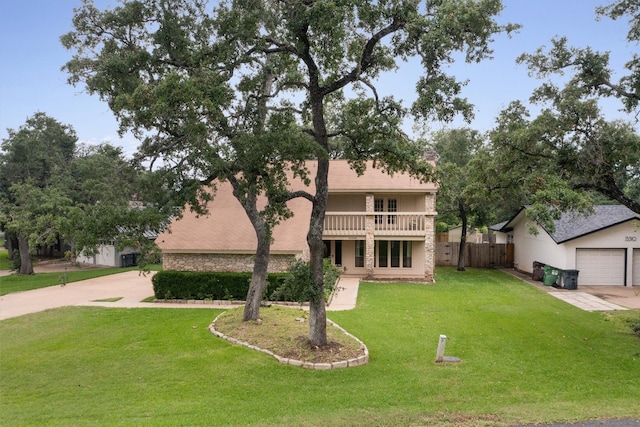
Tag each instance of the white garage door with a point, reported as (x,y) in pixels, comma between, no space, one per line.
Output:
(600,266)
(636,267)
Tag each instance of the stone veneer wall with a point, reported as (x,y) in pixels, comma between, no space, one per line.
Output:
(430,237)
(429,249)
(221,262)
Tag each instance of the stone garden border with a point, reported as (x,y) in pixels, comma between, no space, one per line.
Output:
(359,361)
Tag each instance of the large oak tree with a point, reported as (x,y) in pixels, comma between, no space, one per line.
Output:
(52,189)
(184,76)
(33,167)
(569,152)
(463,189)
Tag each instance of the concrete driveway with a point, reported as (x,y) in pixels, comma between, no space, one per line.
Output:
(131,287)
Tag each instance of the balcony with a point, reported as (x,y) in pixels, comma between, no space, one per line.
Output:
(382,223)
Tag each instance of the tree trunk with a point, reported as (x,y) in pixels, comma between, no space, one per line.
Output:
(463,237)
(258,279)
(262,229)
(12,245)
(263,250)
(317,309)
(26,263)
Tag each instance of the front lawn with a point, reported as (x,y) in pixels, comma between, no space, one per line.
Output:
(526,357)
(26,282)
(4,258)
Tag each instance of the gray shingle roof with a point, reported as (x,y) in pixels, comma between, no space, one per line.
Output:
(573,225)
(499,226)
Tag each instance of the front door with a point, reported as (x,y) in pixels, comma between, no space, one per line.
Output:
(338,252)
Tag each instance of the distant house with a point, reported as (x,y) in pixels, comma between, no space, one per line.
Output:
(108,254)
(604,247)
(455,235)
(376,226)
(499,236)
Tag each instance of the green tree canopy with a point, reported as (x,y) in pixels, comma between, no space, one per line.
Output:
(570,151)
(51,189)
(34,168)
(195,80)
(111,203)
(463,191)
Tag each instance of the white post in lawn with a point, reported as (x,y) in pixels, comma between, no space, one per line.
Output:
(441,344)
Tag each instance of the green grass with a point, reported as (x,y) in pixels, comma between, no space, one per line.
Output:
(526,357)
(113,299)
(4,258)
(17,282)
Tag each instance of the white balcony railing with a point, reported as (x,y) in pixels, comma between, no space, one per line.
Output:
(383,223)
(345,223)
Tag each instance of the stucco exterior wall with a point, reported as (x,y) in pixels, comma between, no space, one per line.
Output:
(346,203)
(530,247)
(278,263)
(422,247)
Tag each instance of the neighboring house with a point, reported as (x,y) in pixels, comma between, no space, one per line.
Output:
(108,254)
(604,247)
(376,226)
(499,236)
(455,235)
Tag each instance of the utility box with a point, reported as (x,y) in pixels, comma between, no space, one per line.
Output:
(570,279)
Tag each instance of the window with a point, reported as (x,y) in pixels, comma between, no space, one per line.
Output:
(378,206)
(393,253)
(359,253)
(406,254)
(392,206)
(383,253)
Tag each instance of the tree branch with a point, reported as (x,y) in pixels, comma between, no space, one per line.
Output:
(365,59)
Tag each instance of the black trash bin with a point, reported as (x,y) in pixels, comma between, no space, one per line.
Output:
(538,271)
(129,260)
(570,279)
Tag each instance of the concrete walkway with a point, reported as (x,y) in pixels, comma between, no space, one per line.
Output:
(131,287)
(587,300)
(346,294)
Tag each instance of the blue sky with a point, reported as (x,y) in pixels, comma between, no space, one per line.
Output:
(31,57)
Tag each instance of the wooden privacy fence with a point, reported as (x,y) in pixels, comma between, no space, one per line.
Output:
(480,255)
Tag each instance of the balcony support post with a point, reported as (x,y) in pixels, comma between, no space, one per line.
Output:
(369,236)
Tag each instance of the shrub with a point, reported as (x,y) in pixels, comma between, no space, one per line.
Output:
(297,286)
(16,261)
(207,285)
(635,326)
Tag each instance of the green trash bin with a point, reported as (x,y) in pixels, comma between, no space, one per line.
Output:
(551,275)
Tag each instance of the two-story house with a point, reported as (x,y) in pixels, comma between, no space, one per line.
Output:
(377,226)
